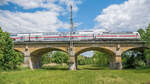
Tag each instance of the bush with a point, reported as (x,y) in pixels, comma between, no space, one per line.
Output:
(9,58)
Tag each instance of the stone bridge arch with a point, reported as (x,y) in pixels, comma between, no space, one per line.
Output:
(37,53)
(110,52)
(134,48)
(106,50)
(131,50)
(19,50)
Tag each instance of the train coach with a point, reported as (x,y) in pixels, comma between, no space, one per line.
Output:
(118,36)
(76,36)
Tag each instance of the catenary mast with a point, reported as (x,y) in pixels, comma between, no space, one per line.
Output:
(72,65)
(71,32)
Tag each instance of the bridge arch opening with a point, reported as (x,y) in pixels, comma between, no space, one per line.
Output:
(134,58)
(100,58)
(36,56)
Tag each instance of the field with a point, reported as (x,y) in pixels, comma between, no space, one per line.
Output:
(60,75)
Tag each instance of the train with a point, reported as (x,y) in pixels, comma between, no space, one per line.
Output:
(74,36)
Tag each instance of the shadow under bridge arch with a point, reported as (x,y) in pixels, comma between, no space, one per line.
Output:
(36,56)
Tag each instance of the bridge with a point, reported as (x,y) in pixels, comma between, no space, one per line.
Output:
(34,50)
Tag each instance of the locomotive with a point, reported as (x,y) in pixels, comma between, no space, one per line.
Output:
(75,36)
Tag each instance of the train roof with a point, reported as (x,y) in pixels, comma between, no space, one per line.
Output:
(77,32)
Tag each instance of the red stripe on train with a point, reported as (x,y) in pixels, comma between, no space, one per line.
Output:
(116,36)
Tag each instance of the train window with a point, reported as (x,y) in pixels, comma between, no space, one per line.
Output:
(13,35)
(36,37)
(21,38)
(45,38)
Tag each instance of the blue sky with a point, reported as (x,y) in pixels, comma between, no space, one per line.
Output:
(90,9)
(88,15)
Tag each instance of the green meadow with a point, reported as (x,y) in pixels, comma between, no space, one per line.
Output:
(87,74)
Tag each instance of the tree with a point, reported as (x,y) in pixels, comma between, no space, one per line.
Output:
(133,59)
(9,58)
(47,58)
(145,36)
(55,57)
(142,34)
(60,57)
(147,56)
(81,60)
(101,58)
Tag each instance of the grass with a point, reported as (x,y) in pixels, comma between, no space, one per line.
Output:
(86,75)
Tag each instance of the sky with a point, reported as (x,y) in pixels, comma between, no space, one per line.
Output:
(88,15)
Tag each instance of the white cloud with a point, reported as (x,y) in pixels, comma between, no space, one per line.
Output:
(30,22)
(39,21)
(129,16)
(28,4)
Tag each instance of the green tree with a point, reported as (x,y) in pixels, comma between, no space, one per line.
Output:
(147,56)
(60,57)
(142,34)
(145,36)
(9,58)
(133,59)
(101,58)
(81,60)
(147,39)
(47,58)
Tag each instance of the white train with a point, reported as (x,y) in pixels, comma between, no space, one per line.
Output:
(76,36)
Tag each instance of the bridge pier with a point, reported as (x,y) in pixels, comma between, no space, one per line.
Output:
(72,63)
(27,59)
(116,60)
(117,63)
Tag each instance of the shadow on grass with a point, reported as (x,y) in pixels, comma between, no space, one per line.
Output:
(92,67)
(139,70)
(55,67)
(142,70)
(80,67)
